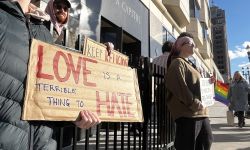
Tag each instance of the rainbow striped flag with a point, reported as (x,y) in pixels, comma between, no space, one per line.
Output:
(221,92)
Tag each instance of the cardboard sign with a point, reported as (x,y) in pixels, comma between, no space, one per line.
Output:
(60,83)
(97,50)
(207,92)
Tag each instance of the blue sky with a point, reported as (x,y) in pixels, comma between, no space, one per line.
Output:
(238,30)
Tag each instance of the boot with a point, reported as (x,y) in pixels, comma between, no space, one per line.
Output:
(241,122)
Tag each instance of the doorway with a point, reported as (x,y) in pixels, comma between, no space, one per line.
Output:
(122,40)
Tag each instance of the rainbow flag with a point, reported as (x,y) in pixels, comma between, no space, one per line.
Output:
(221,92)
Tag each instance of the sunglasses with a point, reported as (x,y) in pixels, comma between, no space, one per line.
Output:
(189,44)
(61,6)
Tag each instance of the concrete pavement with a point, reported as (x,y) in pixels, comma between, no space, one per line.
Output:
(228,137)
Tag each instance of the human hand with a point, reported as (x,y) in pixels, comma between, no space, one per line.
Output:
(37,13)
(86,119)
(212,79)
(109,48)
(201,106)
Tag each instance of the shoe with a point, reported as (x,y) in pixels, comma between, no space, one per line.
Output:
(241,124)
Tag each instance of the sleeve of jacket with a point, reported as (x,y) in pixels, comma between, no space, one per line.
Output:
(229,95)
(40,32)
(43,136)
(247,87)
(176,83)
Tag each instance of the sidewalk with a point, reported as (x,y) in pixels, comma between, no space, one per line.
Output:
(228,137)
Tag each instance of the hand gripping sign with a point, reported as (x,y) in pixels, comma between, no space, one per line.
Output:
(207,92)
(60,83)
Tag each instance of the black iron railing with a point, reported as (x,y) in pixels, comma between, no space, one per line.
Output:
(156,132)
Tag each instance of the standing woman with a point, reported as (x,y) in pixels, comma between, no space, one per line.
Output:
(238,96)
(193,130)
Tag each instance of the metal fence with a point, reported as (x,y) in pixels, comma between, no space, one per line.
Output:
(156,132)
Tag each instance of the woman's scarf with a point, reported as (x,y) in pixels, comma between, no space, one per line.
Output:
(175,51)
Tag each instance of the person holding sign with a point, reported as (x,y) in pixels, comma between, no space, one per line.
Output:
(58,11)
(193,130)
(238,97)
(16,32)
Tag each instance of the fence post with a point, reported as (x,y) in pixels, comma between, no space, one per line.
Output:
(146,94)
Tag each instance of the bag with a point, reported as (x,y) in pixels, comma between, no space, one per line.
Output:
(230,118)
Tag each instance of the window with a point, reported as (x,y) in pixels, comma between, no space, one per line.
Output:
(220,21)
(204,30)
(218,37)
(126,43)
(194,10)
(170,37)
(220,13)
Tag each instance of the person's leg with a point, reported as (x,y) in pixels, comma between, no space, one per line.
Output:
(185,134)
(198,135)
(198,139)
(241,118)
(238,116)
(205,137)
(244,116)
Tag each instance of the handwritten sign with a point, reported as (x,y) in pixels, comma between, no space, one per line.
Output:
(60,83)
(207,92)
(97,50)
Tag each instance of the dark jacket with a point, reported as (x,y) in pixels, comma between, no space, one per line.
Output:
(16,134)
(57,38)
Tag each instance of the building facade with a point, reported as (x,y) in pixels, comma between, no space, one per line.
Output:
(139,28)
(220,47)
(192,16)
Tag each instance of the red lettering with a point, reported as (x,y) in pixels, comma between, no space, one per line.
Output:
(75,71)
(109,58)
(86,72)
(123,62)
(106,56)
(105,103)
(39,65)
(128,105)
(55,66)
(117,60)
(114,103)
(122,104)
(67,61)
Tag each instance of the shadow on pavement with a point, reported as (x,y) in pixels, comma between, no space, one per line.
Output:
(225,133)
(248,148)
(240,137)
(225,127)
